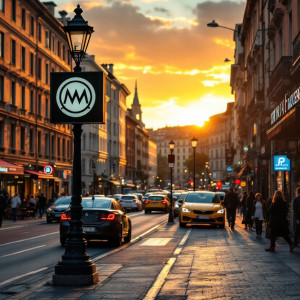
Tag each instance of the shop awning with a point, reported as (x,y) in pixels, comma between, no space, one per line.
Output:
(39,174)
(128,185)
(8,168)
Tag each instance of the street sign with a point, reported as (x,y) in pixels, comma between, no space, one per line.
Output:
(229,157)
(48,170)
(77,98)
(229,169)
(171,165)
(281,163)
(171,159)
(243,183)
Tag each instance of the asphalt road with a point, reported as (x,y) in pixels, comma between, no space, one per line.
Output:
(30,248)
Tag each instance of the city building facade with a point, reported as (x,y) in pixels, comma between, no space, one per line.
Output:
(32,46)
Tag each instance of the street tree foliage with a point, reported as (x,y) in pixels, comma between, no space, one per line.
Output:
(200,159)
(163,170)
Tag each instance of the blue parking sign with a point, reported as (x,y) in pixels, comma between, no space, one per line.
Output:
(281,163)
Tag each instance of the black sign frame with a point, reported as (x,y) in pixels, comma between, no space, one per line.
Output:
(94,92)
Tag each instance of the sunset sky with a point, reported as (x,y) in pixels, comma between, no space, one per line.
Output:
(165,44)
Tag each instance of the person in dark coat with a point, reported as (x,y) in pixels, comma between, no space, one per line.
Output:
(244,206)
(249,204)
(2,206)
(278,221)
(296,210)
(231,203)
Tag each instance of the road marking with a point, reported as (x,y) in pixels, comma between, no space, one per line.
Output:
(20,276)
(22,251)
(159,282)
(156,242)
(24,232)
(36,237)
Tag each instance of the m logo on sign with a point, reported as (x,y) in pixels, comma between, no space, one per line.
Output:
(75,97)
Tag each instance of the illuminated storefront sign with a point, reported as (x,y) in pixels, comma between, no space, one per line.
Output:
(285,105)
(281,163)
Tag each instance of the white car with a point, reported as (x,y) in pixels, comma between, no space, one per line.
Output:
(132,202)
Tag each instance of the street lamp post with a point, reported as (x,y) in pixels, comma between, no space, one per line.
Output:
(194,145)
(214,24)
(94,174)
(76,268)
(171,161)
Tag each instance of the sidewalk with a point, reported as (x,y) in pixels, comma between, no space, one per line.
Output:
(8,224)
(181,263)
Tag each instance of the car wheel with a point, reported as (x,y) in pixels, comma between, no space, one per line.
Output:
(62,241)
(127,239)
(117,241)
(146,211)
(49,221)
(166,211)
(222,226)
(182,225)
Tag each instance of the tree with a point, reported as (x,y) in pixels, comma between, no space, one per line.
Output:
(200,159)
(163,170)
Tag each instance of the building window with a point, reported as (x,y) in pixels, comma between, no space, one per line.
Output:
(13,52)
(31,138)
(12,136)
(40,69)
(40,105)
(23,97)
(40,32)
(23,21)
(46,143)
(47,73)
(52,43)
(47,39)
(221,164)
(31,63)
(68,149)
(1,44)
(63,52)
(68,56)
(58,147)
(90,141)
(63,148)
(31,101)
(83,166)
(53,145)
(47,108)
(2,5)
(13,93)
(32,25)
(290,36)
(39,142)
(23,58)
(217,153)
(22,139)
(13,10)
(58,49)
(1,88)
(280,42)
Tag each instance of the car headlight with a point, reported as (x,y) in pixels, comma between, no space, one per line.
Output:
(186,210)
(49,209)
(221,211)
(176,205)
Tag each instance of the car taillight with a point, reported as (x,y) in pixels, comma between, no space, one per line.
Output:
(146,202)
(164,202)
(109,217)
(121,200)
(65,217)
(135,201)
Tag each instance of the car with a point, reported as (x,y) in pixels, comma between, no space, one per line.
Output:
(138,192)
(157,203)
(117,196)
(145,197)
(103,219)
(178,203)
(132,202)
(202,207)
(55,211)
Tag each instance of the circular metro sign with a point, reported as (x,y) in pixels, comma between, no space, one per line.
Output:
(48,170)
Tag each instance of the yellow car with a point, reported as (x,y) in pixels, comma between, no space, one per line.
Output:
(157,203)
(202,207)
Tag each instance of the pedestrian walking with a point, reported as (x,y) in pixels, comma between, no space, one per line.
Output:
(2,207)
(249,205)
(259,213)
(244,207)
(42,205)
(278,221)
(15,203)
(231,203)
(296,209)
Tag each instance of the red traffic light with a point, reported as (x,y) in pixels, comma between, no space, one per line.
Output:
(219,183)
(237,181)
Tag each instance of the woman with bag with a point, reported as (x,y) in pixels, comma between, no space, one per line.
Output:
(249,205)
(278,221)
(259,213)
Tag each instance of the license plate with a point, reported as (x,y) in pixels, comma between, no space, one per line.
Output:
(57,215)
(89,229)
(155,203)
(127,201)
(203,217)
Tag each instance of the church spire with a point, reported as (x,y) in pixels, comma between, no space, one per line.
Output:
(136,97)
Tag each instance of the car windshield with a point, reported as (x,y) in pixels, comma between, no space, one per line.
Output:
(152,198)
(63,201)
(128,198)
(147,195)
(202,198)
(181,197)
(97,203)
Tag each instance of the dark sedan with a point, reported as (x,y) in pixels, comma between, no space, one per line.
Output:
(178,203)
(55,211)
(103,219)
